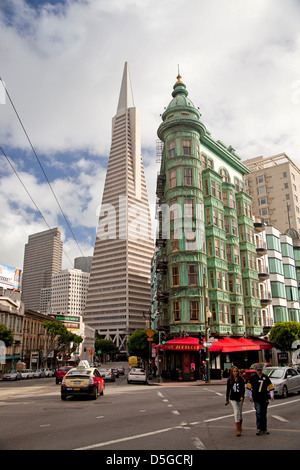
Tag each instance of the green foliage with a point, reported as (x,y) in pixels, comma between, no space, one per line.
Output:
(62,339)
(6,336)
(283,334)
(105,346)
(138,344)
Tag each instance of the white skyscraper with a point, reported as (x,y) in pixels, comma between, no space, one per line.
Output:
(119,294)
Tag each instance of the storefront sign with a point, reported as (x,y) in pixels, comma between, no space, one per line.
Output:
(182,347)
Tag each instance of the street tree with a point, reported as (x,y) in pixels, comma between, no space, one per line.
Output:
(283,334)
(106,346)
(138,344)
(60,339)
(6,335)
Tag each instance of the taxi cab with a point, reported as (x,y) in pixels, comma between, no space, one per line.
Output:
(82,380)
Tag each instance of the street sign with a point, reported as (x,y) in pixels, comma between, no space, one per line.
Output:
(150,339)
(150,332)
(207,344)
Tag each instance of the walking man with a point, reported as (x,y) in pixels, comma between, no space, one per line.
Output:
(258,388)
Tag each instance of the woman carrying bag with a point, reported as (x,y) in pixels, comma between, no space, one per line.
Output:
(235,392)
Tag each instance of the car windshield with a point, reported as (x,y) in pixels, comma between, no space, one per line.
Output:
(275,373)
(79,372)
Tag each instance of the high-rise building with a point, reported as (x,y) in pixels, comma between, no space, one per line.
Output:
(68,293)
(84,263)
(274,185)
(42,259)
(119,294)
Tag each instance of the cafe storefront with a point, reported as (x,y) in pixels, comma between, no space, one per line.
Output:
(181,359)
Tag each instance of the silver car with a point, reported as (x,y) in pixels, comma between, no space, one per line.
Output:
(285,380)
(108,375)
(39,373)
(12,375)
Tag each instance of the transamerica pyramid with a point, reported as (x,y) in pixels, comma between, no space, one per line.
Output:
(119,294)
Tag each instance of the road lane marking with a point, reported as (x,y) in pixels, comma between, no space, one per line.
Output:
(280,418)
(198,443)
(20,390)
(129,438)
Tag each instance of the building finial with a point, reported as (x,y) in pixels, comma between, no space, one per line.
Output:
(179,76)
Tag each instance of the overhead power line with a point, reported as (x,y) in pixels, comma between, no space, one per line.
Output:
(41,166)
(16,173)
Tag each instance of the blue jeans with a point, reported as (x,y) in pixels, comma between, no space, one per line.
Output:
(261,415)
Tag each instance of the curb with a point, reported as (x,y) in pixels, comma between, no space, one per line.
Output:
(198,383)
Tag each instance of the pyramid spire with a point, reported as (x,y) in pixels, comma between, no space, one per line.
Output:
(126,94)
(120,281)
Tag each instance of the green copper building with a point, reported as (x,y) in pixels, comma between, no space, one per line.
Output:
(204,272)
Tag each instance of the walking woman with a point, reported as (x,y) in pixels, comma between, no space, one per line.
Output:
(235,392)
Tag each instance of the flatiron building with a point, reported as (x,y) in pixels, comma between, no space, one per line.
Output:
(119,293)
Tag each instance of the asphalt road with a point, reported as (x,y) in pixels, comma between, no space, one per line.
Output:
(180,417)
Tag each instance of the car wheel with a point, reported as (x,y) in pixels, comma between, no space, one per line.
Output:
(284,392)
(128,381)
(95,393)
(63,397)
(57,382)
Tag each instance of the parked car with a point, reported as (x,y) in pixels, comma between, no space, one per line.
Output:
(108,375)
(39,373)
(121,370)
(27,374)
(48,372)
(137,375)
(61,372)
(252,369)
(12,375)
(285,380)
(82,381)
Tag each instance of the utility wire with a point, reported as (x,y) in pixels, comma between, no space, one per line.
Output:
(36,156)
(16,173)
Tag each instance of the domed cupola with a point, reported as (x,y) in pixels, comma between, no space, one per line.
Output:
(180,111)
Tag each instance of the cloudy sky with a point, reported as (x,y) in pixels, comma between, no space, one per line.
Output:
(61,62)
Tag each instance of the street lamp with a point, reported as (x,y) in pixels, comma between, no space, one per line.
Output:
(207,315)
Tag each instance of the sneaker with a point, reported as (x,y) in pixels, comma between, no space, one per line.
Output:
(259,432)
(266,432)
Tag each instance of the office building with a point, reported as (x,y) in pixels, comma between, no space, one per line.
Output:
(274,185)
(69,290)
(119,294)
(42,259)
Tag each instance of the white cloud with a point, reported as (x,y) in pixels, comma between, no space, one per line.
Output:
(63,66)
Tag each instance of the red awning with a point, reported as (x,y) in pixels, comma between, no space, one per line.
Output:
(226,345)
(182,344)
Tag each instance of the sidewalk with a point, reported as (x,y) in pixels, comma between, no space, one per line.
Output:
(175,383)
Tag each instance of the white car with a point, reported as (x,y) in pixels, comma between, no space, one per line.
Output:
(27,374)
(137,375)
(48,372)
(285,380)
